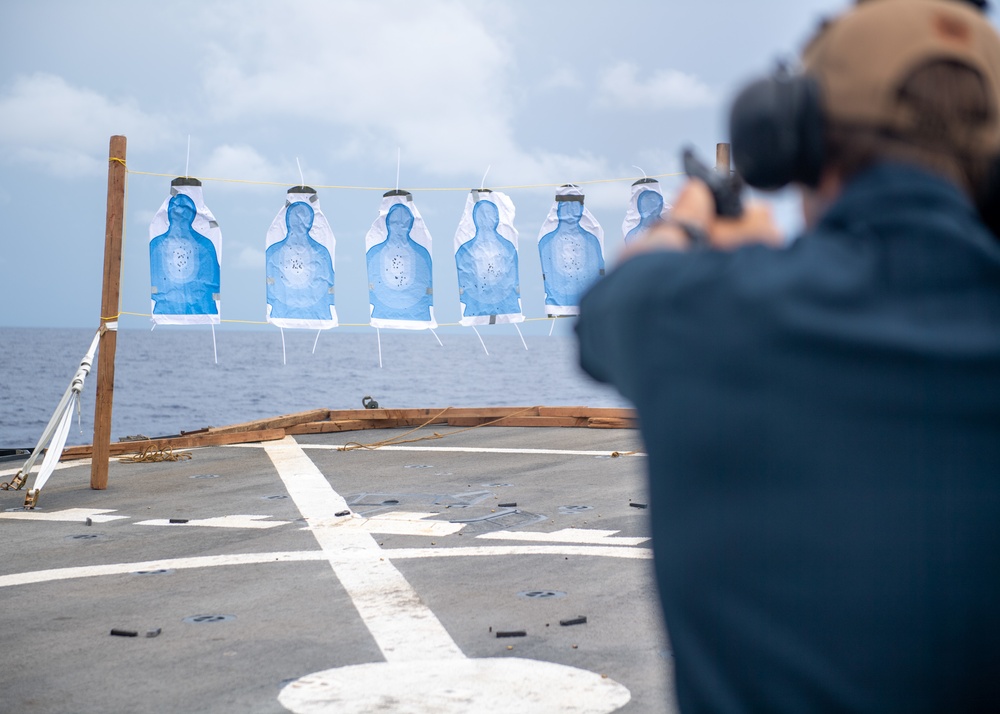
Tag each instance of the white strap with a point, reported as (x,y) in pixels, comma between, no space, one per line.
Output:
(53,438)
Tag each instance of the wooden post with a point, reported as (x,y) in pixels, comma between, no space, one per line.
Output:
(722,164)
(109,314)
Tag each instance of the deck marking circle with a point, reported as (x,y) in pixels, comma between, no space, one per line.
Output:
(507,685)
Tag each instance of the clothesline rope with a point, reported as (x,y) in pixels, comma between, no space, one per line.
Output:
(389,188)
(114,318)
(342,324)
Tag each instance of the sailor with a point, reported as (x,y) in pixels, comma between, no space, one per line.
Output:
(823,418)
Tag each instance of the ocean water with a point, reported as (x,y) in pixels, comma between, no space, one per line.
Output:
(167,380)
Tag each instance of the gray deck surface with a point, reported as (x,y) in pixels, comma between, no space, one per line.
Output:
(312,594)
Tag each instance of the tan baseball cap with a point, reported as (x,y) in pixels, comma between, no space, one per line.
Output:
(862,58)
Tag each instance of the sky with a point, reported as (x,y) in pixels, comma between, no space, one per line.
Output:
(532,91)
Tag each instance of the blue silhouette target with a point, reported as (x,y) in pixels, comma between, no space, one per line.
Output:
(571,248)
(299,264)
(184,258)
(645,208)
(400,284)
(487,260)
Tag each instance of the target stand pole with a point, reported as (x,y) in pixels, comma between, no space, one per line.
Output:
(109,314)
(722,160)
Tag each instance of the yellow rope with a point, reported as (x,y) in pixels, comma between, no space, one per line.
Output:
(354,445)
(342,324)
(124,232)
(151,454)
(147,314)
(245,322)
(116,160)
(385,188)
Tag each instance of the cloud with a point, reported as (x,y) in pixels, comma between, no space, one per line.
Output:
(250,258)
(561,78)
(434,78)
(620,85)
(65,129)
(547,167)
(607,196)
(426,69)
(237,162)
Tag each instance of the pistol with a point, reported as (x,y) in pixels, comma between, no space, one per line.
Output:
(726,190)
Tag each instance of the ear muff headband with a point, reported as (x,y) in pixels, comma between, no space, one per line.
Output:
(776,131)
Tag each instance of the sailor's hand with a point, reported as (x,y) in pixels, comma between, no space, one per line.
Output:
(693,215)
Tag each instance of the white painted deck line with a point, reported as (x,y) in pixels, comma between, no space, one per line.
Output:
(204,561)
(96,515)
(333,447)
(404,628)
(236,521)
(455,449)
(481,450)
(303,556)
(498,550)
(34,472)
(403,523)
(566,535)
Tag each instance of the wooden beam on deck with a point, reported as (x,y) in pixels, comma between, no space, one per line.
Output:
(533,421)
(177,442)
(572,416)
(328,427)
(323,421)
(279,422)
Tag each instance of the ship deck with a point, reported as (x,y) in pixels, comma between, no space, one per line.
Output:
(478,570)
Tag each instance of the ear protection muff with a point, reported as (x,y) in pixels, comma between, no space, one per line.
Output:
(776,131)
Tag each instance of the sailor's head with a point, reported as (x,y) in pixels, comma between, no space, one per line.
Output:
(299,217)
(913,81)
(486,215)
(866,61)
(181,209)
(649,204)
(399,220)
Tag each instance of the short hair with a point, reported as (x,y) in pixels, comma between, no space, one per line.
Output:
(950,101)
